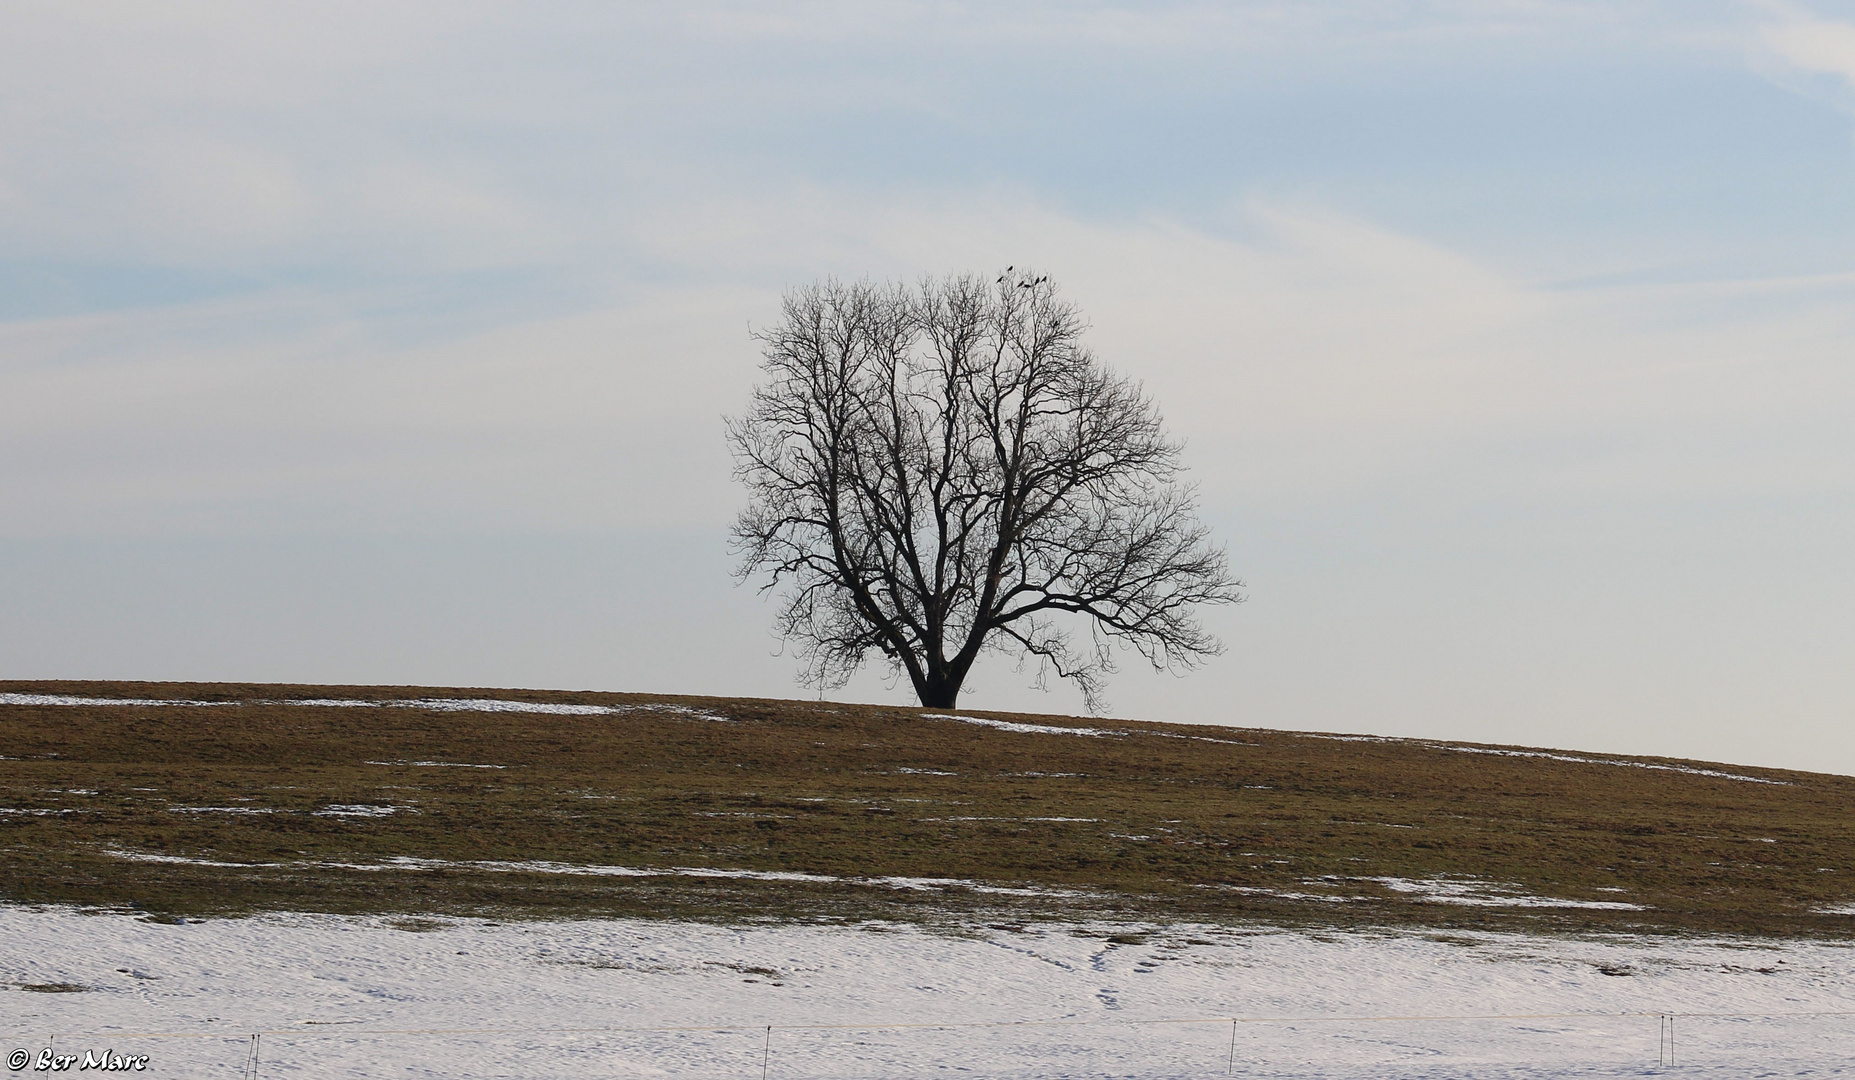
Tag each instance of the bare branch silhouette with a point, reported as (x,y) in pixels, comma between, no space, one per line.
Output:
(946,469)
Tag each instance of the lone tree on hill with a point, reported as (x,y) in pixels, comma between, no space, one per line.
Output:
(946,469)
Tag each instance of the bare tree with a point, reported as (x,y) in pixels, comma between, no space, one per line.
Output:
(943,470)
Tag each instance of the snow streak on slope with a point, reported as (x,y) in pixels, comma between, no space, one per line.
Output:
(1022,729)
(490,705)
(1053,729)
(541,866)
(1575,759)
(358,997)
(502,705)
(69,699)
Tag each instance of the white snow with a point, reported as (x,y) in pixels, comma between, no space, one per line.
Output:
(1614,762)
(540,866)
(1462,891)
(500,705)
(1476,893)
(369,997)
(434,704)
(68,699)
(336,810)
(363,810)
(1576,759)
(438,764)
(458,705)
(1052,729)
(184,860)
(1024,729)
(1195,738)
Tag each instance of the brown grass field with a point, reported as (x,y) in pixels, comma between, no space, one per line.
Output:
(257,804)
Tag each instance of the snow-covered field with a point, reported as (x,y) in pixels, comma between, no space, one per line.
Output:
(378,997)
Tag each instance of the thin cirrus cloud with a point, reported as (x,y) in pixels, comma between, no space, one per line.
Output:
(1333,349)
(1810,43)
(469,134)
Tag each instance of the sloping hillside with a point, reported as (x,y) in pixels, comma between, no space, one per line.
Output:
(223,799)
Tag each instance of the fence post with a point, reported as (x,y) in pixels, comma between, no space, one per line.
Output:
(1230,1067)
(766,1049)
(251,1058)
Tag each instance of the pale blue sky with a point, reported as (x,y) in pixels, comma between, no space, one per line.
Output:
(1511,341)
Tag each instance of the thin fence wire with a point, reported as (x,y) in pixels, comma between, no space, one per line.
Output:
(801,1059)
(344,1031)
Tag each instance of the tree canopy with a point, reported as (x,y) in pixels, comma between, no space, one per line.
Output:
(944,469)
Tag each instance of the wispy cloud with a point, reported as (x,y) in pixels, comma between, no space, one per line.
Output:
(1299,351)
(1814,44)
(437,136)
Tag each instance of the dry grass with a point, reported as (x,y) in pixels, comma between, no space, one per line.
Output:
(1162,821)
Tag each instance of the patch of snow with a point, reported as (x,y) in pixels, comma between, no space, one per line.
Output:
(183,860)
(1025,729)
(971,886)
(437,764)
(545,867)
(1196,738)
(1575,759)
(538,866)
(1282,894)
(491,705)
(1054,729)
(466,998)
(500,705)
(69,699)
(362,810)
(1468,893)
(1619,763)
(1475,893)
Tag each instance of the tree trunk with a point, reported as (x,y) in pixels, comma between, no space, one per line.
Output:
(939,693)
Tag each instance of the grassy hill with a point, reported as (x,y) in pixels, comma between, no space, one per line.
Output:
(402,800)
